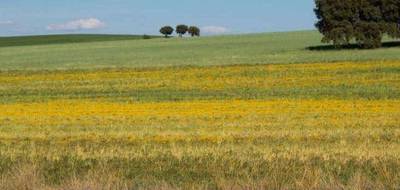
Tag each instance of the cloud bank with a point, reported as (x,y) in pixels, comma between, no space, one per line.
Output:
(80,24)
(7,22)
(214,29)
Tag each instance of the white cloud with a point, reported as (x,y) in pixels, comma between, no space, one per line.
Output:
(214,29)
(81,24)
(7,22)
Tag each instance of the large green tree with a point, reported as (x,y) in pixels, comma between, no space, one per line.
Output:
(365,21)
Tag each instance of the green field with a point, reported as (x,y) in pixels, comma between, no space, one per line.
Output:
(225,50)
(63,39)
(258,111)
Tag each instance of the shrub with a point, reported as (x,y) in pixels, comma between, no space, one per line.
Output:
(146,37)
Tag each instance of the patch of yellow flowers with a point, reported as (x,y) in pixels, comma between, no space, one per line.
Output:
(294,126)
(100,112)
(209,78)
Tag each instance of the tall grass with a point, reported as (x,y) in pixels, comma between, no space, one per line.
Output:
(283,174)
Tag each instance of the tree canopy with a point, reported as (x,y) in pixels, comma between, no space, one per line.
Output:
(166,31)
(194,31)
(365,21)
(182,29)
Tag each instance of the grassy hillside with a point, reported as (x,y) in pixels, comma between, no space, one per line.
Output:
(115,116)
(63,39)
(288,47)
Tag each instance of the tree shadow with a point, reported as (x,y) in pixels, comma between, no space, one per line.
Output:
(350,46)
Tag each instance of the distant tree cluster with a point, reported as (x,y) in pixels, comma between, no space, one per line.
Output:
(181,30)
(365,21)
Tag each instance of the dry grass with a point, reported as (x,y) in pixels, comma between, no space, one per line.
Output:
(27,178)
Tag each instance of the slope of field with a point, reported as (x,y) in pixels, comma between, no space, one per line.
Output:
(290,47)
(277,126)
(63,39)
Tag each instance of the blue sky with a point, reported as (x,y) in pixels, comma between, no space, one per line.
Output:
(31,17)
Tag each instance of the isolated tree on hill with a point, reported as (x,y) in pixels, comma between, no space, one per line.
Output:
(365,21)
(194,31)
(166,31)
(181,30)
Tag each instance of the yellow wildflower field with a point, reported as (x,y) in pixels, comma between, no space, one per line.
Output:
(217,125)
(103,113)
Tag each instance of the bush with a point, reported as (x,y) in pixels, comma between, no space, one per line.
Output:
(146,37)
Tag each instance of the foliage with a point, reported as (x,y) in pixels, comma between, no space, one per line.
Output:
(182,29)
(366,21)
(194,31)
(166,31)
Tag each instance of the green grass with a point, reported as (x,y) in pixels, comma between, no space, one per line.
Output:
(64,39)
(290,47)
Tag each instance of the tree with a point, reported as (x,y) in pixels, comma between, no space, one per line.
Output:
(181,30)
(194,31)
(365,21)
(166,31)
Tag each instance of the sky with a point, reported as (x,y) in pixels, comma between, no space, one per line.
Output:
(214,17)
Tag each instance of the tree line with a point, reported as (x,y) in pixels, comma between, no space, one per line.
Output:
(363,21)
(180,30)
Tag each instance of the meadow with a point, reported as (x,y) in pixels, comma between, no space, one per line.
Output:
(288,47)
(240,114)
